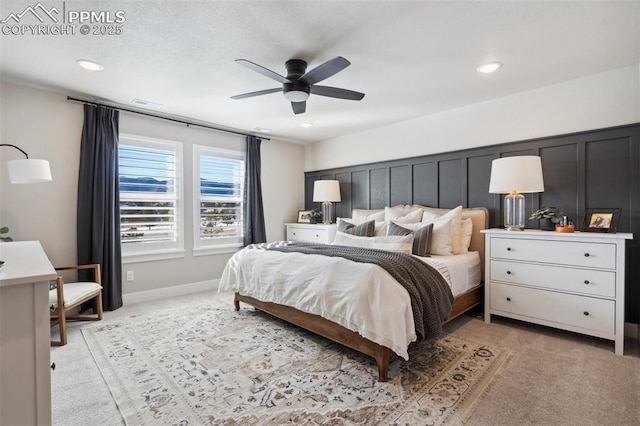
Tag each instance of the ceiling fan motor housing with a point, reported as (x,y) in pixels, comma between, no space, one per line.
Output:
(295,87)
(295,68)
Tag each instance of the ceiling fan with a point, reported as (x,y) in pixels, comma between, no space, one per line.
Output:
(299,83)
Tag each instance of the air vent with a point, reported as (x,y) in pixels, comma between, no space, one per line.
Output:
(146,104)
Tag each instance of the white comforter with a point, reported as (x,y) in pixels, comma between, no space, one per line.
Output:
(361,297)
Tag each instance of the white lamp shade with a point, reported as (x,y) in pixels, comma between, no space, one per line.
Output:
(29,171)
(520,174)
(326,190)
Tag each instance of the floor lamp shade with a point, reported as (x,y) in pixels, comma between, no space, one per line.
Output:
(326,192)
(29,171)
(515,176)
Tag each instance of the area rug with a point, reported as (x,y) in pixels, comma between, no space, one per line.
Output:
(212,365)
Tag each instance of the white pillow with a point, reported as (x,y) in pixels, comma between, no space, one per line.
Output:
(442,237)
(456,216)
(366,215)
(467,232)
(403,214)
(402,244)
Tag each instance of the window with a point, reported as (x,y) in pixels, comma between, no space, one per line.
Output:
(150,176)
(218,196)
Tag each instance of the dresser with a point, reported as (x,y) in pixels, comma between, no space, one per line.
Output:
(311,232)
(25,375)
(572,281)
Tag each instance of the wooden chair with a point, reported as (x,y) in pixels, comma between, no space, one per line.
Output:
(67,296)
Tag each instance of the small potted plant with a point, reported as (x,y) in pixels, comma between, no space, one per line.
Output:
(314,215)
(3,237)
(548,217)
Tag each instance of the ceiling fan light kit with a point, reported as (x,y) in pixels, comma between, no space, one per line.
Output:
(299,84)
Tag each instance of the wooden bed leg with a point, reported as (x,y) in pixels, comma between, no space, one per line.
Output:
(236,302)
(382,359)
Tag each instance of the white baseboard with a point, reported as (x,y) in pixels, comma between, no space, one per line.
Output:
(632,330)
(167,292)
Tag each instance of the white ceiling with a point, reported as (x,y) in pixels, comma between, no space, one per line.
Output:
(410,58)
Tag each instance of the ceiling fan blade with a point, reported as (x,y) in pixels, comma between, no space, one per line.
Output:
(262,70)
(299,107)
(258,93)
(325,70)
(334,92)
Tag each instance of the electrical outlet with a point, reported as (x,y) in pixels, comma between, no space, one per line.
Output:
(129,275)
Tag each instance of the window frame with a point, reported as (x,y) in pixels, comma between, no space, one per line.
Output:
(202,247)
(143,252)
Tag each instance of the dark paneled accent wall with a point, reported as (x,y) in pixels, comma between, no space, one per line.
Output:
(599,168)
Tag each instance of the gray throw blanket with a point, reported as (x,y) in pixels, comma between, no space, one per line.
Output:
(431,297)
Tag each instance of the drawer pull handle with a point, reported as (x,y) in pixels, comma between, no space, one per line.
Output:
(508,248)
(586,281)
(317,235)
(508,299)
(586,255)
(508,272)
(586,314)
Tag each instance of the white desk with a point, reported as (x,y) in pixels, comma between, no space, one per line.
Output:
(25,375)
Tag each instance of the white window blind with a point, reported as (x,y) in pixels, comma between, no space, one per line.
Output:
(150,195)
(218,197)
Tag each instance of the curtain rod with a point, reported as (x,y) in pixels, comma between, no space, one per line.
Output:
(175,120)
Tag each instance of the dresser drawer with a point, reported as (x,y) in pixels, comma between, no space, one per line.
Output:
(306,234)
(584,312)
(573,280)
(593,255)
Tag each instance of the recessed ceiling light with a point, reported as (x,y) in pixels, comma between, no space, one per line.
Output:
(90,65)
(306,125)
(489,67)
(261,130)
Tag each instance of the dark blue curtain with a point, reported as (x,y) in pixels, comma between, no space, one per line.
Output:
(98,222)
(254,230)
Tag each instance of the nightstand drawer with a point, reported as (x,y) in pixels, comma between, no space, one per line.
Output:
(593,255)
(586,313)
(574,280)
(305,234)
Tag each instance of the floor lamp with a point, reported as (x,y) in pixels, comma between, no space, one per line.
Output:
(28,170)
(515,176)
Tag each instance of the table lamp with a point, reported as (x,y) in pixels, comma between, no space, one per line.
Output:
(515,176)
(326,192)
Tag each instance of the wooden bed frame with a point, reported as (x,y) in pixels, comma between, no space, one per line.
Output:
(353,340)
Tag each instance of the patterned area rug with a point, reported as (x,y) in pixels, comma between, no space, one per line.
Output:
(212,365)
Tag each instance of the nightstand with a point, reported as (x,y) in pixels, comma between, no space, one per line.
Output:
(311,232)
(572,281)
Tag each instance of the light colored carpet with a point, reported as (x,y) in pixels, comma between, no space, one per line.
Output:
(208,364)
(552,378)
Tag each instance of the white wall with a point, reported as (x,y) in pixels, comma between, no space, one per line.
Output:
(47,126)
(603,100)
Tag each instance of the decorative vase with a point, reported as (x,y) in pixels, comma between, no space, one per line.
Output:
(546,225)
(313,220)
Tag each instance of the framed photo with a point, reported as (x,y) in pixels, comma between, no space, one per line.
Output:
(601,220)
(302,216)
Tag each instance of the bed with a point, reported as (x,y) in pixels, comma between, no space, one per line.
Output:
(463,272)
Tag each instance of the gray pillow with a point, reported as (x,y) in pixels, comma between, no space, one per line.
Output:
(366,229)
(421,237)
